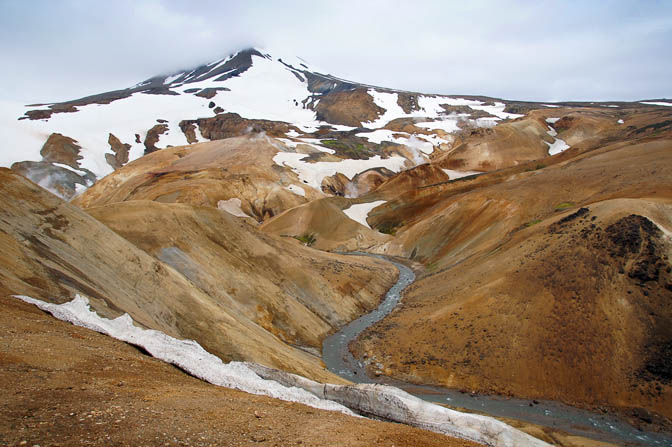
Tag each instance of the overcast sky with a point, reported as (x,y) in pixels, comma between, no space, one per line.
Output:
(55,50)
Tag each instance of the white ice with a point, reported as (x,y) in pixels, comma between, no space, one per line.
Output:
(360,212)
(552,120)
(186,354)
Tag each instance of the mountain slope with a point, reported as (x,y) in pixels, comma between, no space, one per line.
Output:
(547,283)
(52,250)
(249,90)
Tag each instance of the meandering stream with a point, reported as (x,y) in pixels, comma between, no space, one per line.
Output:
(604,428)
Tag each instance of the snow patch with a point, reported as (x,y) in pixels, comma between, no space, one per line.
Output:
(186,354)
(299,191)
(620,121)
(387,101)
(497,110)
(233,207)
(454,175)
(557,146)
(448,125)
(312,174)
(312,142)
(552,120)
(422,142)
(659,103)
(359,213)
(170,79)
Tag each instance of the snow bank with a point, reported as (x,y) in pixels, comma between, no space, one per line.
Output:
(383,401)
(393,404)
(558,145)
(186,354)
(359,213)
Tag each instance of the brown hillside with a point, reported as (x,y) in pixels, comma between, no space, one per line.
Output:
(325,220)
(524,296)
(296,293)
(51,250)
(203,174)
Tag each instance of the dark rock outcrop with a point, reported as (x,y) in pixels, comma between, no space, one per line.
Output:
(153,137)
(227,125)
(350,108)
(61,149)
(120,150)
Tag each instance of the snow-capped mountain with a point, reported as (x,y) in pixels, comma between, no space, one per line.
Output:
(85,139)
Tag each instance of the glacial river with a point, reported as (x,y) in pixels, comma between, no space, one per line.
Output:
(604,428)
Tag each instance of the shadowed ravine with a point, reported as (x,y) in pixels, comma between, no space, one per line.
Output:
(340,360)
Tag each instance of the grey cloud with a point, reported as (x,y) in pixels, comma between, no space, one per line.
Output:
(543,50)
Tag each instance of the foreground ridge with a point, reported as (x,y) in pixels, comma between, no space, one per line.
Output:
(376,400)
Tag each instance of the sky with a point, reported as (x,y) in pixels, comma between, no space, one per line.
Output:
(56,50)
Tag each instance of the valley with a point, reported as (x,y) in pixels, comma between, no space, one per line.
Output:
(227,204)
